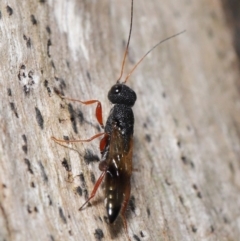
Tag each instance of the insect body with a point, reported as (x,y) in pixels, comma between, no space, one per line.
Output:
(116,145)
(117,153)
(116,148)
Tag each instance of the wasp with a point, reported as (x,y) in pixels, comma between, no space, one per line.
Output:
(116,146)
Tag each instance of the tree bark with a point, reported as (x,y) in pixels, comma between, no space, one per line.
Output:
(187,119)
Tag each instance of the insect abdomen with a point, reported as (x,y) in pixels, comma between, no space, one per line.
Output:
(114,195)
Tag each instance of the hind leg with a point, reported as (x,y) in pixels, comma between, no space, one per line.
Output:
(98,183)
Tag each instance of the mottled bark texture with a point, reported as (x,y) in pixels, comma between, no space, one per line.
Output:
(187,118)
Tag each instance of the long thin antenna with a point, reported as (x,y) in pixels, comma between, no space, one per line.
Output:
(126,50)
(148,53)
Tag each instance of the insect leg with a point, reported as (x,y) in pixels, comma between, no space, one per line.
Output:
(104,142)
(98,111)
(73,141)
(99,181)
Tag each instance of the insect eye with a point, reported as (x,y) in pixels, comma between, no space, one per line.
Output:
(117,89)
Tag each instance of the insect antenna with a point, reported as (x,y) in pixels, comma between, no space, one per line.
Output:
(126,50)
(149,52)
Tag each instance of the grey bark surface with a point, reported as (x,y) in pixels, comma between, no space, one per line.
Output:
(187,119)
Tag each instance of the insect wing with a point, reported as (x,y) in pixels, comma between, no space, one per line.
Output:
(117,182)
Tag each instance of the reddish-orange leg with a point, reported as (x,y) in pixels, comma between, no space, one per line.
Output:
(73,141)
(98,114)
(96,186)
(98,111)
(103,168)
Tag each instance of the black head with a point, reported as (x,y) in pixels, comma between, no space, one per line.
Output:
(122,94)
